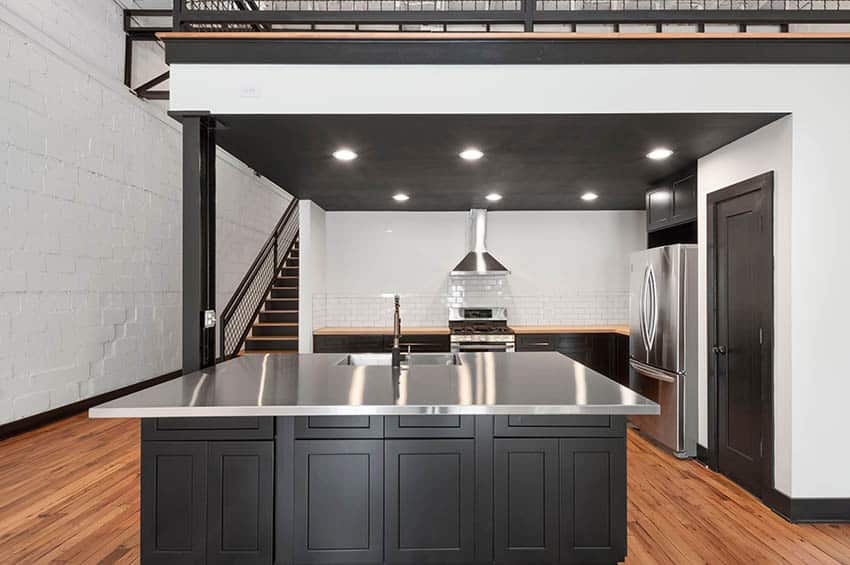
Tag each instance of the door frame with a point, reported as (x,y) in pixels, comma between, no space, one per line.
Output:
(762,183)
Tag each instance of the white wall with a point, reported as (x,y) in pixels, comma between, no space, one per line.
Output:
(815,94)
(90,218)
(312,277)
(548,252)
(567,267)
(363,258)
(768,149)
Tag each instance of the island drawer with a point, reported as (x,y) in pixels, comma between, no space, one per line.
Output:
(339,427)
(222,428)
(429,426)
(560,426)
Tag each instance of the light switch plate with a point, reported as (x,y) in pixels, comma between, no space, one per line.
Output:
(209,319)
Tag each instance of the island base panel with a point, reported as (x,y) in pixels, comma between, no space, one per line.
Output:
(425,490)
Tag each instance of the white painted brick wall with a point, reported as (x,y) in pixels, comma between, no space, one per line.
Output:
(90,217)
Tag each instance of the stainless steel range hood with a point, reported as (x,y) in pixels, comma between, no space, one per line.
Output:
(478,261)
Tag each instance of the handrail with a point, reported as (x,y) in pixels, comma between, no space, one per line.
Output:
(213,16)
(237,317)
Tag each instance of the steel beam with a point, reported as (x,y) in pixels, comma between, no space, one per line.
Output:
(198,240)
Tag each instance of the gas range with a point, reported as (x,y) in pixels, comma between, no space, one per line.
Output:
(480,329)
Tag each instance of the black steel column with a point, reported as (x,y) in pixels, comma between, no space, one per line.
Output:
(198,240)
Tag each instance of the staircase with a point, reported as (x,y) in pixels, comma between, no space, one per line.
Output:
(262,314)
(275,330)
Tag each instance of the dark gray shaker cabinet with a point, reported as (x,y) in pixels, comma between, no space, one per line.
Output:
(207,501)
(338,503)
(417,489)
(429,501)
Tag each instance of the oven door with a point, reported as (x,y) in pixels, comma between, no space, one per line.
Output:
(483,345)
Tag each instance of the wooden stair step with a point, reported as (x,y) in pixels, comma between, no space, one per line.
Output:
(271,338)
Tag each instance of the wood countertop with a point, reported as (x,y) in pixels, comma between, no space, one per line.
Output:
(622,330)
(383,331)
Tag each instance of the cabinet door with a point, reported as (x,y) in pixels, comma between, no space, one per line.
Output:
(578,347)
(240,502)
(339,427)
(583,425)
(659,207)
(338,502)
(536,342)
(684,204)
(173,509)
(420,343)
(224,428)
(525,500)
(348,343)
(429,426)
(593,500)
(430,501)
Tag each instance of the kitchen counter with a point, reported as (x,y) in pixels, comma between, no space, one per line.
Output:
(541,383)
(435,330)
(423,330)
(609,329)
(268,453)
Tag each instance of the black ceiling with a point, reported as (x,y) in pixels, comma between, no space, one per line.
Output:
(537,162)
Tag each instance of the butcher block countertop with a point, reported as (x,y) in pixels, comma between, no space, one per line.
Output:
(622,330)
(424,330)
(405,330)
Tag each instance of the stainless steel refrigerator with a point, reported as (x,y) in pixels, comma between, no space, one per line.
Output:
(663,343)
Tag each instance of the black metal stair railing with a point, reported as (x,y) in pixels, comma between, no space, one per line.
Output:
(238,316)
(408,15)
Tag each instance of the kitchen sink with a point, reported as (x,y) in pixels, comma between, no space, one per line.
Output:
(407,360)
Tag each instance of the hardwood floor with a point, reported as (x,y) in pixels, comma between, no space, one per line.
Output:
(69,493)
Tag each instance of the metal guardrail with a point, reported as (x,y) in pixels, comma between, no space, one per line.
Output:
(235,15)
(238,316)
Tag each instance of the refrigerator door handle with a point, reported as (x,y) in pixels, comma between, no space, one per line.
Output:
(653,292)
(653,372)
(643,310)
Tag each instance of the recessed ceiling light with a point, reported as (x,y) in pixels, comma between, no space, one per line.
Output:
(344,154)
(589,196)
(659,154)
(471,154)
(401,197)
(493,197)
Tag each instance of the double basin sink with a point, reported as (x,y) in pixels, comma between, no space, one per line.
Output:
(407,359)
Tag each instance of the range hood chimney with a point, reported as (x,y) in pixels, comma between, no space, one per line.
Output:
(478,261)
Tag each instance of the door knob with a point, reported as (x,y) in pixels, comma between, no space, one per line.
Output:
(719,349)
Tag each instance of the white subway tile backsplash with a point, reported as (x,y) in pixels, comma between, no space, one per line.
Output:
(578,307)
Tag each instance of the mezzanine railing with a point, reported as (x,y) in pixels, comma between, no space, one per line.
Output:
(505,15)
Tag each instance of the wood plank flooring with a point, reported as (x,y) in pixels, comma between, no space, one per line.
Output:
(69,493)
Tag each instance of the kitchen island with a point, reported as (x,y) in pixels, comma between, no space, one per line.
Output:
(334,458)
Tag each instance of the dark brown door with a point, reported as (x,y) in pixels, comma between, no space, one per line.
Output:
(741,270)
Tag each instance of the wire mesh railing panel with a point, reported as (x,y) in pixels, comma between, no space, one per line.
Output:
(688,5)
(360,5)
(240,313)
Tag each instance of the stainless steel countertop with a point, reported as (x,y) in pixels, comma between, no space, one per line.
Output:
(544,383)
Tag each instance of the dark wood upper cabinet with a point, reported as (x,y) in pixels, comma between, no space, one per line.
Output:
(672,203)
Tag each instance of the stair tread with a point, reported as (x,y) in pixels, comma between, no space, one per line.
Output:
(284,288)
(271,338)
(261,351)
(274,324)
